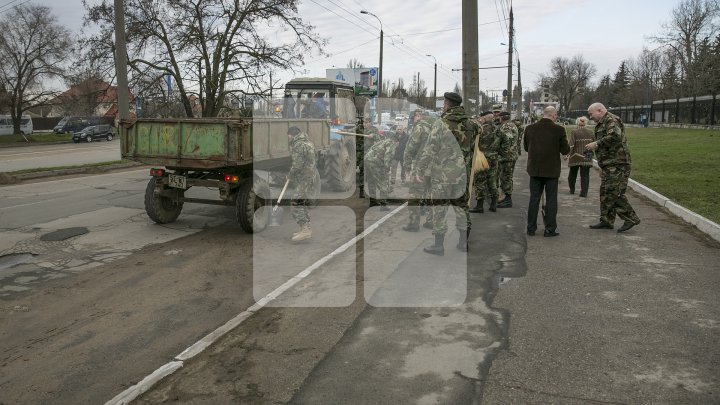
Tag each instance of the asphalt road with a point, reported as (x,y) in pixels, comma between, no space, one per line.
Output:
(66,154)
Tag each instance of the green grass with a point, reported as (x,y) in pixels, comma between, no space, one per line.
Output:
(681,164)
(12,140)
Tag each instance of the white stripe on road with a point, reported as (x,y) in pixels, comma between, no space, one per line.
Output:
(136,390)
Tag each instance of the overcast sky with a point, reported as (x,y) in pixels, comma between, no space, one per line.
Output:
(604,32)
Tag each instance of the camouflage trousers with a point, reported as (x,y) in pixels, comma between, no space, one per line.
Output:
(613,184)
(485,183)
(440,207)
(301,200)
(505,176)
(418,196)
(378,181)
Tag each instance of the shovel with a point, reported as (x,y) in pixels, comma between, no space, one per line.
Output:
(276,217)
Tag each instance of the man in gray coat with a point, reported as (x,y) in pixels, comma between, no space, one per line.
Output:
(544,142)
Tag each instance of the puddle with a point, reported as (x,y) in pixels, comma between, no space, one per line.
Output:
(13,259)
(64,234)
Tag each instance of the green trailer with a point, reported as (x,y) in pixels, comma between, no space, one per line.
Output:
(226,154)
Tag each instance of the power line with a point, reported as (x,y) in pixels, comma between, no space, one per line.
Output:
(351,22)
(448,29)
(333,54)
(17,5)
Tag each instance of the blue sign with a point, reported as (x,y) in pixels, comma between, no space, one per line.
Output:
(373,72)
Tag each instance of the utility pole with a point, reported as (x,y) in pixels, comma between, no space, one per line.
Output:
(435,84)
(519,95)
(510,56)
(121,61)
(470,57)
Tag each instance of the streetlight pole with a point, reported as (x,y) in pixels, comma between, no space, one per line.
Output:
(380,68)
(435,85)
(121,61)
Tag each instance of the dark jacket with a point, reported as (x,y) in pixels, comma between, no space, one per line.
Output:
(544,142)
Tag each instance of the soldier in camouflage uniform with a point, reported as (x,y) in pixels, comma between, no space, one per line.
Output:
(363,144)
(613,157)
(508,156)
(520,131)
(444,159)
(302,178)
(485,183)
(378,161)
(418,191)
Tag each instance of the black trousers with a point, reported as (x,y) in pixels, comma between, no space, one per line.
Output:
(584,178)
(550,186)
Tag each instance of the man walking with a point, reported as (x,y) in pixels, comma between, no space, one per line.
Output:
(544,141)
(613,157)
(302,178)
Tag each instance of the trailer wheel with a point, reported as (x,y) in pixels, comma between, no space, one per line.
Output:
(160,209)
(253,205)
(340,165)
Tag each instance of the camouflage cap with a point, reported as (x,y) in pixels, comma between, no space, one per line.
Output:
(452,96)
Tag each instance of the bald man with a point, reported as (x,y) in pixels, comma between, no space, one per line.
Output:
(613,157)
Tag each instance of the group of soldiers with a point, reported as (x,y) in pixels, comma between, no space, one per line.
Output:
(438,161)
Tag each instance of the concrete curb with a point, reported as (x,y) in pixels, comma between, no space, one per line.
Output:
(703,224)
(6,178)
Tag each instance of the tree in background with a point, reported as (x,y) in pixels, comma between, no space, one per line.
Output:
(33,49)
(355,64)
(568,78)
(215,50)
(691,23)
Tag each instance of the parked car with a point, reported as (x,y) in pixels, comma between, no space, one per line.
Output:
(95,132)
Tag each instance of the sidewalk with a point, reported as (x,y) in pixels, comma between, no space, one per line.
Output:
(603,317)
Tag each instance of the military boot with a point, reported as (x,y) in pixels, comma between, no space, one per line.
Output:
(463,241)
(478,207)
(493,204)
(437,248)
(304,234)
(506,203)
(411,227)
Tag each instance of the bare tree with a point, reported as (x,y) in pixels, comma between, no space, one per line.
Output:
(355,64)
(33,48)
(569,77)
(214,49)
(691,22)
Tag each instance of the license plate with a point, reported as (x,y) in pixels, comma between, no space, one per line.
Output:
(177,181)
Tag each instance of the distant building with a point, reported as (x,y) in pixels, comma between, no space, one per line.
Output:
(545,95)
(92,97)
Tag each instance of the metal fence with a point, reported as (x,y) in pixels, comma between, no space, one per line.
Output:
(696,111)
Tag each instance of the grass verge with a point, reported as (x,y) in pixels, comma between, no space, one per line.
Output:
(12,140)
(681,164)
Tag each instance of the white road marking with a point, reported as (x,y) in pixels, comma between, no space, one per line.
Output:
(136,390)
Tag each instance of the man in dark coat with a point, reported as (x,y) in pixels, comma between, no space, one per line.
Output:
(544,142)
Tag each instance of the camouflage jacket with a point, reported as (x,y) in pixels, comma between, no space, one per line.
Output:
(381,154)
(416,144)
(368,142)
(612,142)
(464,129)
(490,141)
(508,146)
(302,153)
(442,159)
(520,131)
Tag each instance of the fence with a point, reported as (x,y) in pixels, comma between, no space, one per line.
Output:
(696,111)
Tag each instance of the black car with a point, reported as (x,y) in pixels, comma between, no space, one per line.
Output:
(94,132)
